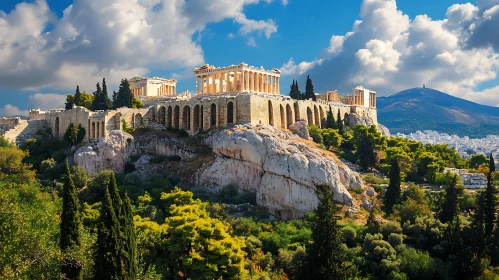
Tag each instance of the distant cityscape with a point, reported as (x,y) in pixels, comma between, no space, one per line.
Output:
(465,146)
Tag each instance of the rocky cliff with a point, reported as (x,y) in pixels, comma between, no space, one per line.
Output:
(281,168)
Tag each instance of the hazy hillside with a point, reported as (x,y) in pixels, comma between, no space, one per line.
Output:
(423,108)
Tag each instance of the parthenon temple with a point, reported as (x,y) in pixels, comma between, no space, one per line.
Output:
(236,78)
(361,97)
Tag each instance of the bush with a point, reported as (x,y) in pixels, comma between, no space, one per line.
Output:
(349,236)
(391,227)
(395,239)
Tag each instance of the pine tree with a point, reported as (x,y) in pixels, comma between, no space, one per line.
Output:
(70,226)
(124,97)
(326,257)
(450,207)
(130,245)
(101,100)
(309,89)
(108,260)
(478,227)
(339,123)
(366,151)
(78,100)
(298,94)
(393,192)
(330,121)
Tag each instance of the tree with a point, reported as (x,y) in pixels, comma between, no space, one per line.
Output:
(101,99)
(199,246)
(124,97)
(330,122)
(327,257)
(490,204)
(292,92)
(492,164)
(87,100)
(137,103)
(477,160)
(450,207)
(339,123)
(70,227)
(70,100)
(78,101)
(108,256)
(309,89)
(365,143)
(130,245)
(74,134)
(393,192)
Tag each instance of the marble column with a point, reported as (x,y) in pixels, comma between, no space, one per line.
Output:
(278,85)
(261,82)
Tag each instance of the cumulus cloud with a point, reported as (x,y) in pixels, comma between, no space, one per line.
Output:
(110,38)
(45,101)
(388,52)
(251,42)
(10,111)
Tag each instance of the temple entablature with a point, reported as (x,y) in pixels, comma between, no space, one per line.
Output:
(236,78)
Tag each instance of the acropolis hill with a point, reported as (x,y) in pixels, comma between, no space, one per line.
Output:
(225,96)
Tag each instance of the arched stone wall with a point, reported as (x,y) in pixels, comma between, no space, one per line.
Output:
(230,112)
(283,117)
(162,115)
(271,114)
(213,115)
(310,117)
(297,111)
(176,117)
(289,116)
(169,119)
(138,120)
(186,117)
(316,115)
(322,117)
(196,119)
(57,128)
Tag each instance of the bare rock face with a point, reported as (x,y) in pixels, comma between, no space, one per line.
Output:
(111,152)
(300,128)
(281,170)
(354,119)
(384,130)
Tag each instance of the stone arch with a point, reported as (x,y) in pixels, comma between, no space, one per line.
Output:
(289,116)
(310,117)
(186,117)
(56,127)
(138,120)
(322,117)
(162,115)
(316,115)
(103,129)
(152,116)
(213,115)
(176,117)
(98,130)
(230,112)
(92,131)
(169,117)
(201,119)
(271,114)
(195,126)
(283,118)
(297,111)
(345,117)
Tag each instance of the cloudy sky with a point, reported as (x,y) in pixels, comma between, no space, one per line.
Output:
(47,47)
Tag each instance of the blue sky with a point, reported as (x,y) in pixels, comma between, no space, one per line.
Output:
(395,47)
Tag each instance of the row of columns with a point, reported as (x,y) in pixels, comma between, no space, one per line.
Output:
(245,80)
(96,130)
(372,99)
(166,90)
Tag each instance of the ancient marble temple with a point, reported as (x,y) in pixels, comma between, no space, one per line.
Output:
(236,78)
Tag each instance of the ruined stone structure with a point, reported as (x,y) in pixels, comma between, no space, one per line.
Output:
(236,78)
(153,86)
(225,96)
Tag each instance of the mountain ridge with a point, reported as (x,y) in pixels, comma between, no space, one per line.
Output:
(429,109)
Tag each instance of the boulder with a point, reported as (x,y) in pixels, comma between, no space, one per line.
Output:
(366,205)
(370,191)
(282,172)
(300,128)
(111,152)
(384,130)
(354,119)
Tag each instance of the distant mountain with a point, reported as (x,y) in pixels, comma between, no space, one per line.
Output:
(423,108)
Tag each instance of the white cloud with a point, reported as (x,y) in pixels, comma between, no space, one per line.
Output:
(45,101)
(230,35)
(291,68)
(388,52)
(251,42)
(110,38)
(284,2)
(10,111)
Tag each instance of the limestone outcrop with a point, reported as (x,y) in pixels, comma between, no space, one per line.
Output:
(110,152)
(300,128)
(354,119)
(384,130)
(282,170)
(280,167)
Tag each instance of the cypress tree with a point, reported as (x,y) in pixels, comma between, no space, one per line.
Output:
(130,245)
(494,247)
(339,123)
(124,97)
(450,207)
(490,201)
(70,226)
(478,227)
(330,122)
(327,258)
(492,164)
(292,90)
(298,94)
(97,98)
(115,198)
(309,89)
(393,192)
(115,99)
(78,100)
(109,244)
(106,102)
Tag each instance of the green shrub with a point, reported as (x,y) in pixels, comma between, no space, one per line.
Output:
(349,236)
(395,239)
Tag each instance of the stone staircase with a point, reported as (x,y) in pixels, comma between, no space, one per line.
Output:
(24,130)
